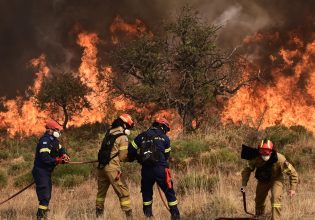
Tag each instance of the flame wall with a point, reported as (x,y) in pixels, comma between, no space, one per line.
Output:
(75,35)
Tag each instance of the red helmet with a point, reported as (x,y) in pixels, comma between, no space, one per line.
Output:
(127,119)
(53,125)
(163,121)
(265,147)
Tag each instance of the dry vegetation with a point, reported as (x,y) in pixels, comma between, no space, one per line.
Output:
(206,171)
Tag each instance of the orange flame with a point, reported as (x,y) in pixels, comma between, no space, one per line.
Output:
(23,117)
(284,101)
(119,25)
(88,73)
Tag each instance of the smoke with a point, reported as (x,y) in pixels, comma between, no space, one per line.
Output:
(32,27)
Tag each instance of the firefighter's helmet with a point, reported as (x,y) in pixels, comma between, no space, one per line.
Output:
(52,124)
(126,118)
(164,122)
(266,147)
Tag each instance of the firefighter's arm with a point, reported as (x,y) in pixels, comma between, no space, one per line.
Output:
(167,148)
(250,167)
(44,154)
(123,148)
(62,153)
(133,149)
(132,153)
(291,172)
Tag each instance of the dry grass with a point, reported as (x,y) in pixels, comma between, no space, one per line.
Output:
(224,200)
(206,171)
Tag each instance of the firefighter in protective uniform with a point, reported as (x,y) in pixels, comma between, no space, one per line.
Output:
(270,168)
(110,174)
(49,153)
(160,172)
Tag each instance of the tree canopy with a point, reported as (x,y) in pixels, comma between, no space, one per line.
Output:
(180,68)
(63,91)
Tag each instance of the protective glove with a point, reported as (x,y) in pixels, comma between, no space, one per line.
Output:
(292,193)
(66,158)
(59,160)
(63,159)
(242,189)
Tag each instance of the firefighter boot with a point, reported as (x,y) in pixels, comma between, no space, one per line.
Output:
(41,214)
(174,213)
(147,210)
(99,212)
(129,215)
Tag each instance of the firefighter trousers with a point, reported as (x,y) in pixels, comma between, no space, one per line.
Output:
(150,175)
(43,184)
(262,190)
(107,178)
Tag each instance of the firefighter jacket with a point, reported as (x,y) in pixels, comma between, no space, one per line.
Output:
(280,167)
(162,143)
(48,148)
(119,150)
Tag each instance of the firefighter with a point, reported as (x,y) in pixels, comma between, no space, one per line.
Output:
(157,171)
(49,153)
(270,168)
(109,172)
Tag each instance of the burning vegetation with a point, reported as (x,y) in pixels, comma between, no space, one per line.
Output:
(24,116)
(284,93)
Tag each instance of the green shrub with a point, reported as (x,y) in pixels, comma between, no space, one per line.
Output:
(4,154)
(196,181)
(301,131)
(188,148)
(222,156)
(23,180)
(71,175)
(16,169)
(3,179)
(281,135)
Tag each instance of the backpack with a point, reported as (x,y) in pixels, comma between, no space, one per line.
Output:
(149,153)
(106,149)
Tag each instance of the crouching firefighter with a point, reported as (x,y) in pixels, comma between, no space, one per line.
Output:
(114,149)
(270,168)
(152,149)
(49,153)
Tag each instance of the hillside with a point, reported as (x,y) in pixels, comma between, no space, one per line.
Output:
(206,171)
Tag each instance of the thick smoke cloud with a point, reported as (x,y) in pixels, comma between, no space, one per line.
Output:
(31,27)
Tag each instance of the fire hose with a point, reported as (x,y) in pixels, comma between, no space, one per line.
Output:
(162,198)
(19,192)
(82,162)
(29,185)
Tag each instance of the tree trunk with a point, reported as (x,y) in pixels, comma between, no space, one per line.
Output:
(187,114)
(66,119)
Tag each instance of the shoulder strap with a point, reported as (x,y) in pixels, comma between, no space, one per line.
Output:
(115,137)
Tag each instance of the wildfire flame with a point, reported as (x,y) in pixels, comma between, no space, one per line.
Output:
(88,73)
(22,116)
(119,25)
(289,99)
